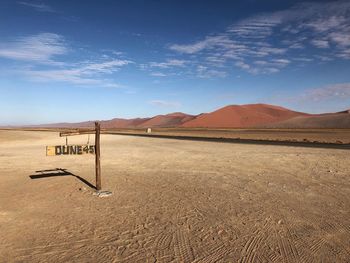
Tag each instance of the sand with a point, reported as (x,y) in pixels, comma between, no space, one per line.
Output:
(173,201)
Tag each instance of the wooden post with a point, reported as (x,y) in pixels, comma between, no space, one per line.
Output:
(97,156)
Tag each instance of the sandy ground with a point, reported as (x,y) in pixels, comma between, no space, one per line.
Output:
(173,201)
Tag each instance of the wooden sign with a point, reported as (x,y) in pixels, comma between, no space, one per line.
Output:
(70,150)
(81,149)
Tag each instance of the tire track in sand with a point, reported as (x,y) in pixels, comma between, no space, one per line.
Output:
(287,248)
(251,247)
(214,254)
(163,244)
(182,247)
(258,248)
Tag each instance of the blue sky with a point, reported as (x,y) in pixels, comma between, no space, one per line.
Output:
(85,60)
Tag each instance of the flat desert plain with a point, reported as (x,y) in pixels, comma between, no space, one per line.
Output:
(173,201)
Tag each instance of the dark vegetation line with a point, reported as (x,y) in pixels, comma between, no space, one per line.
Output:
(242,141)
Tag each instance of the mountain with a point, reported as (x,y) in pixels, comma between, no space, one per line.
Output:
(232,116)
(328,120)
(123,123)
(170,120)
(238,116)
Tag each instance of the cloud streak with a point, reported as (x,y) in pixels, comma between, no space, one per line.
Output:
(40,48)
(169,63)
(85,74)
(158,74)
(276,37)
(44,49)
(164,68)
(163,103)
(340,91)
(40,7)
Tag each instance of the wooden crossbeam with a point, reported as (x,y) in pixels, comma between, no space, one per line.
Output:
(77,132)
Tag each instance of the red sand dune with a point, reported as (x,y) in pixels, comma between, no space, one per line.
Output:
(237,116)
(233,116)
(170,120)
(123,123)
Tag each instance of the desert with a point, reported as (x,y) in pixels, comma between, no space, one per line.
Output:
(210,131)
(173,201)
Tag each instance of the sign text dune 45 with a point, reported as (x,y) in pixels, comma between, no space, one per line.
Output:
(70,150)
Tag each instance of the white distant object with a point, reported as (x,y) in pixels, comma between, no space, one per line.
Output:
(149,130)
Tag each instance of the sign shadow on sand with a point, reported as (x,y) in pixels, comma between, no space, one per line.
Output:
(59,172)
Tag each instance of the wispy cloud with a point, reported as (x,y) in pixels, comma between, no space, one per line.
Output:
(40,55)
(245,66)
(275,38)
(341,38)
(85,74)
(331,97)
(345,54)
(168,63)
(163,103)
(40,48)
(105,67)
(263,66)
(164,68)
(158,74)
(340,91)
(205,72)
(327,23)
(303,59)
(209,42)
(320,43)
(40,7)
(258,27)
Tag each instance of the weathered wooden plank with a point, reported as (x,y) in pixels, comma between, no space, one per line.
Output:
(70,150)
(76,132)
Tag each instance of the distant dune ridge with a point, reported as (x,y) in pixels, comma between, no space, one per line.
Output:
(232,116)
(170,120)
(236,116)
(328,120)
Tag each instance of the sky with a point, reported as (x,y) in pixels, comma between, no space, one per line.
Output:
(70,61)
